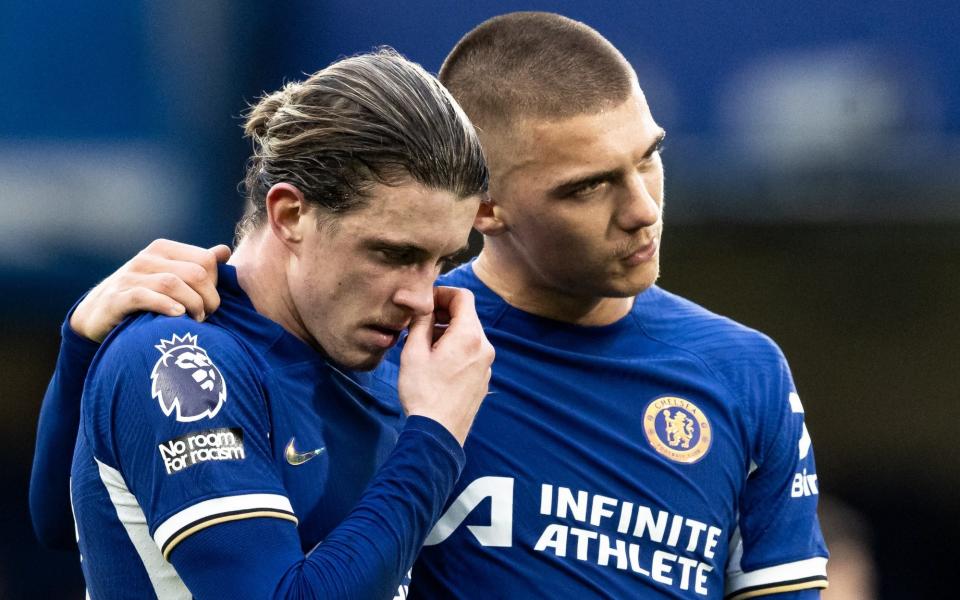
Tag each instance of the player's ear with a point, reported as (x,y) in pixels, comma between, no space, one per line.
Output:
(490,217)
(287,212)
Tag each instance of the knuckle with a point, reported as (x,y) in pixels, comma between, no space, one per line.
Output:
(196,274)
(208,261)
(136,296)
(122,279)
(470,338)
(136,263)
(167,282)
(155,246)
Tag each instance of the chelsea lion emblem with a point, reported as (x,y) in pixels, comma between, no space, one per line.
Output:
(677,429)
(186,380)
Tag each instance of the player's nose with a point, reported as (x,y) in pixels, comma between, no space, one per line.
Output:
(640,206)
(415,292)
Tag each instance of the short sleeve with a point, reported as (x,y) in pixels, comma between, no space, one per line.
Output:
(177,416)
(778,546)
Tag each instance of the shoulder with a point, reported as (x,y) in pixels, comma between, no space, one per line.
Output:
(748,364)
(158,378)
(156,339)
(184,365)
(714,338)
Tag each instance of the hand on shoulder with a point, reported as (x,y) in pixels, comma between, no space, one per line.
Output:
(166,277)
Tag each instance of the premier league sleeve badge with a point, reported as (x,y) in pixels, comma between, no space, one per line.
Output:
(184,379)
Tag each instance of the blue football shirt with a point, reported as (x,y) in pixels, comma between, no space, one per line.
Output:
(189,427)
(662,456)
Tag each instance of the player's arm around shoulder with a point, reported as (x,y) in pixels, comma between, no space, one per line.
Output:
(56,435)
(167,278)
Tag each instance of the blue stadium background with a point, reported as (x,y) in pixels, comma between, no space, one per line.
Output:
(813,188)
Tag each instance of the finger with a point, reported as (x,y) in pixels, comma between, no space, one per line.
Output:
(192,274)
(175,289)
(211,298)
(202,281)
(145,299)
(221,252)
(458,304)
(206,258)
(438,330)
(441,321)
(419,334)
(175,250)
(441,316)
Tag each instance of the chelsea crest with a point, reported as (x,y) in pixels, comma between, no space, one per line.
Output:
(677,429)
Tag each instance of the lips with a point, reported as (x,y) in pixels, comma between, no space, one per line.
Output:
(388,330)
(385,336)
(641,254)
(395,327)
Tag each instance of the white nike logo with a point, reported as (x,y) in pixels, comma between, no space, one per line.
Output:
(298,458)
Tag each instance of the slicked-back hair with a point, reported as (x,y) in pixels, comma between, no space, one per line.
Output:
(368,119)
(534,64)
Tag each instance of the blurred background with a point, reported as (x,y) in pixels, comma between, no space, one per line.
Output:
(813,192)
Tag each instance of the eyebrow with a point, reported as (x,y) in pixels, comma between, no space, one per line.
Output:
(656,143)
(414,250)
(564,188)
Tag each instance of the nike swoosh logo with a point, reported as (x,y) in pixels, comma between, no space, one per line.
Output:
(298,458)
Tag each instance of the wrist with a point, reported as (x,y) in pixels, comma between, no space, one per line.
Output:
(436,425)
(439,433)
(72,326)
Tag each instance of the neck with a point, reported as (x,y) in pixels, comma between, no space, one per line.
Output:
(501,274)
(261,272)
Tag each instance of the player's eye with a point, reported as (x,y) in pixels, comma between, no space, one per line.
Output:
(661,145)
(649,161)
(588,189)
(657,149)
(392,256)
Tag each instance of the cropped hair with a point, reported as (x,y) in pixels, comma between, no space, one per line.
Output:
(534,64)
(369,119)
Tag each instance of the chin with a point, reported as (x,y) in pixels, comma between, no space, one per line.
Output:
(644,285)
(635,283)
(358,360)
(368,364)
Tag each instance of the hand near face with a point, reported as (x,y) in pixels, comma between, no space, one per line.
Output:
(166,277)
(447,379)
